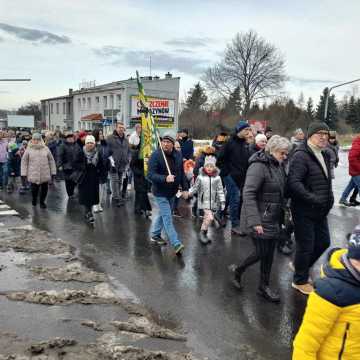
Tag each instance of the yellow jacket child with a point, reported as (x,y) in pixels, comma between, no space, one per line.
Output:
(331,325)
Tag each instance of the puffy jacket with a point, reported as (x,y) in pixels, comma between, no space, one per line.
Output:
(331,325)
(263,195)
(157,173)
(233,160)
(209,189)
(309,188)
(3,150)
(14,163)
(38,164)
(119,148)
(354,157)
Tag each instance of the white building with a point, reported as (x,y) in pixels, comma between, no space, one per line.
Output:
(104,105)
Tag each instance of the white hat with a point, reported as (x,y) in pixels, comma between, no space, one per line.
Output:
(210,160)
(260,137)
(90,139)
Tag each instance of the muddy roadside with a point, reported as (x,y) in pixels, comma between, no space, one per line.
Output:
(54,306)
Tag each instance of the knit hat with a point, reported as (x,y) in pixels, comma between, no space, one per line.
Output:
(241,125)
(13,146)
(268,129)
(354,244)
(260,137)
(169,136)
(210,160)
(90,139)
(36,136)
(82,134)
(316,126)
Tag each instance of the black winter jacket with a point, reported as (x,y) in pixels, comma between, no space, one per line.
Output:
(66,155)
(309,188)
(263,195)
(233,160)
(157,174)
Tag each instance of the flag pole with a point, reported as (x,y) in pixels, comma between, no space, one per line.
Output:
(163,154)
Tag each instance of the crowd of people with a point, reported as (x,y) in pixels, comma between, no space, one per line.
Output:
(266,185)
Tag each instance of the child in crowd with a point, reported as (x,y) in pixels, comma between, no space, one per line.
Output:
(14,161)
(210,192)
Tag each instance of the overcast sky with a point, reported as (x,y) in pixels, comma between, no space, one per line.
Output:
(60,43)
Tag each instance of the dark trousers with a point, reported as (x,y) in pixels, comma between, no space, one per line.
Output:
(354,195)
(312,239)
(35,188)
(70,187)
(263,252)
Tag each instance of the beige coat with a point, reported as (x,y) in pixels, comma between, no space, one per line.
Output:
(38,164)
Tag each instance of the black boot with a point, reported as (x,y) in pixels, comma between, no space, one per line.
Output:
(237,276)
(265,291)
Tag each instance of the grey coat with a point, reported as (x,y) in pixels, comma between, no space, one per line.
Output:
(210,191)
(119,148)
(263,195)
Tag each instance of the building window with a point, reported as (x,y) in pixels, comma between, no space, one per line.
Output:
(111,101)
(51,108)
(118,100)
(84,103)
(57,108)
(89,102)
(79,103)
(64,108)
(105,102)
(97,100)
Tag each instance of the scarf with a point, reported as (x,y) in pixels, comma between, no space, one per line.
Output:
(92,157)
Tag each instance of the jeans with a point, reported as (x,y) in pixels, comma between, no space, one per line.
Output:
(234,200)
(312,239)
(353,183)
(116,184)
(3,174)
(164,220)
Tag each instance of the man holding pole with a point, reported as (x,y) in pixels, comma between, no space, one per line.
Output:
(166,174)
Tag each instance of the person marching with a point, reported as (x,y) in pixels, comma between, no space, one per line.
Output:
(211,198)
(166,173)
(263,193)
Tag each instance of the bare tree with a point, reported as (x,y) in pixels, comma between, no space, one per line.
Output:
(251,63)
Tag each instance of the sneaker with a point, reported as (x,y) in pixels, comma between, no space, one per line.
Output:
(268,294)
(236,280)
(344,202)
(43,205)
(305,289)
(100,208)
(179,249)
(158,240)
(96,209)
(354,203)
(120,203)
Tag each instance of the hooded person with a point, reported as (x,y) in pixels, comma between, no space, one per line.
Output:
(210,193)
(187,145)
(38,167)
(331,325)
(233,162)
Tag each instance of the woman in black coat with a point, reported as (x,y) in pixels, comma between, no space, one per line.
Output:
(141,185)
(262,210)
(89,171)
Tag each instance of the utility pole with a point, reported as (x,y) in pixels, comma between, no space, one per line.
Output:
(328,95)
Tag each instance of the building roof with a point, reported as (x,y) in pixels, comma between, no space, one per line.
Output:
(92,117)
(57,98)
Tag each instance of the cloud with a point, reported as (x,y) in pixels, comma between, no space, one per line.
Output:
(160,60)
(34,35)
(1,39)
(192,42)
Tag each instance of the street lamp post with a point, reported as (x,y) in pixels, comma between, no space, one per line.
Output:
(328,95)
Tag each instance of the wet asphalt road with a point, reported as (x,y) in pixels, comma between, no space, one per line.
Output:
(194,294)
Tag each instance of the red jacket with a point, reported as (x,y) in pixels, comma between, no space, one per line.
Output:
(354,157)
